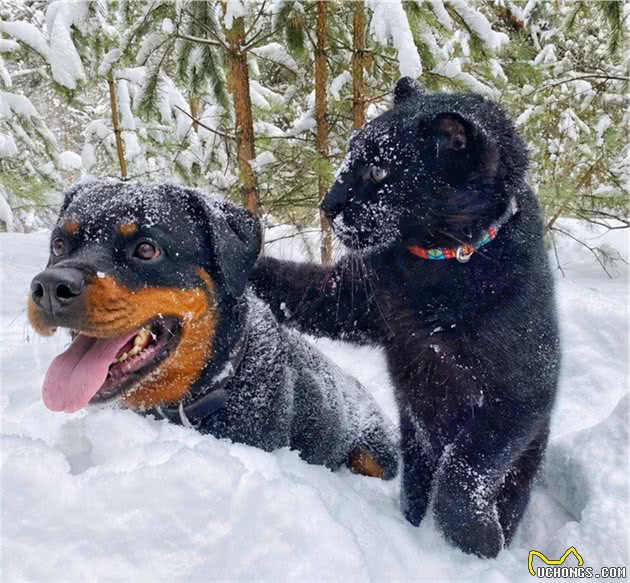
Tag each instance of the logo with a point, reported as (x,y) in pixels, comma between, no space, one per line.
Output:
(560,561)
(553,568)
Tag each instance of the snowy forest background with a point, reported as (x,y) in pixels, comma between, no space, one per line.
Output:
(255,100)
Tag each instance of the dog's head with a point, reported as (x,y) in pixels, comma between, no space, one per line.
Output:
(431,171)
(142,273)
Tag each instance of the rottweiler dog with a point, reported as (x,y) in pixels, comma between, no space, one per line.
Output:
(152,280)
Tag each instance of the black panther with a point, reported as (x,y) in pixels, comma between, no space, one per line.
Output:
(152,279)
(447,270)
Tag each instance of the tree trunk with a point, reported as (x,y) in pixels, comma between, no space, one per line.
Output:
(194,112)
(120,150)
(358,48)
(238,86)
(321,99)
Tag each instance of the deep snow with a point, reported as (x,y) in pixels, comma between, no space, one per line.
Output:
(111,496)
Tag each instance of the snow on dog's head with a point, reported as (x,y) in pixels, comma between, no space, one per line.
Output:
(141,273)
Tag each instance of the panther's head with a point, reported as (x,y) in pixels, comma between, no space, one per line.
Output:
(435,170)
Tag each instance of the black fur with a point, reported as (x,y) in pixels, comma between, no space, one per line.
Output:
(284,392)
(472,348)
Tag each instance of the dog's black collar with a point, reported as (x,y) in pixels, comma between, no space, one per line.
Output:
(213,400)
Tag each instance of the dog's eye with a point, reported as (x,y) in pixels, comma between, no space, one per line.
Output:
(146,251)
(378,174)
(58,247)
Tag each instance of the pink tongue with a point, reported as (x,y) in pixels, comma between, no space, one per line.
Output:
(76,375)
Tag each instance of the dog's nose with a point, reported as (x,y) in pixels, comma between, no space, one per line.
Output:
(57,287)
(335,201)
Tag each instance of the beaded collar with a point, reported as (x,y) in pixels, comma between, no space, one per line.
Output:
(464,252)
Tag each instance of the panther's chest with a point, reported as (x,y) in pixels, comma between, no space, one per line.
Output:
(437,373)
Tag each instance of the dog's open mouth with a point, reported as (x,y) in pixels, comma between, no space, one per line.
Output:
(97,370)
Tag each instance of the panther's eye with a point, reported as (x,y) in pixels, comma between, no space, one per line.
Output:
(146,251)
(378,174)
(58,247)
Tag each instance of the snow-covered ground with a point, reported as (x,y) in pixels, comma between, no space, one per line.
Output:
(111,496)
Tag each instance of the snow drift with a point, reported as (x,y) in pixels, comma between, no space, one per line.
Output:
(111,496)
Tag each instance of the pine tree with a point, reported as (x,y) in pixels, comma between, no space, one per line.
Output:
(238,71)
(29,154)
(238,98)
(321,117)
(219,42)
(358,59)
(567,65)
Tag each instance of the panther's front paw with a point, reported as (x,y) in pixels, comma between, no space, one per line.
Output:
(473,531)
(414,506)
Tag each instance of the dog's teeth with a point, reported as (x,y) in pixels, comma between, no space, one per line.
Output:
(141,338)
(135,350)
(140,342)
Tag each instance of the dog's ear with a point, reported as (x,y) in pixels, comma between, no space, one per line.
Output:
(84,185)
(68,197)
(236,244)
(235,238)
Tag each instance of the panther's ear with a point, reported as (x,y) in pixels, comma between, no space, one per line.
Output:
(462,149)
(235,237)
(453,133)
(406,88)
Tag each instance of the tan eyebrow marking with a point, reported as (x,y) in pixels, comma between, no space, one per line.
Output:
(71,228)
(127,229)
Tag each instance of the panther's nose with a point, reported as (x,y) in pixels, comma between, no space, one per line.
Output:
(335,201)
(57,288)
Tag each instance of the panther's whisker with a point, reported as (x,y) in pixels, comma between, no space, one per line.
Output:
(373,295)
(17,316)
(341,278)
